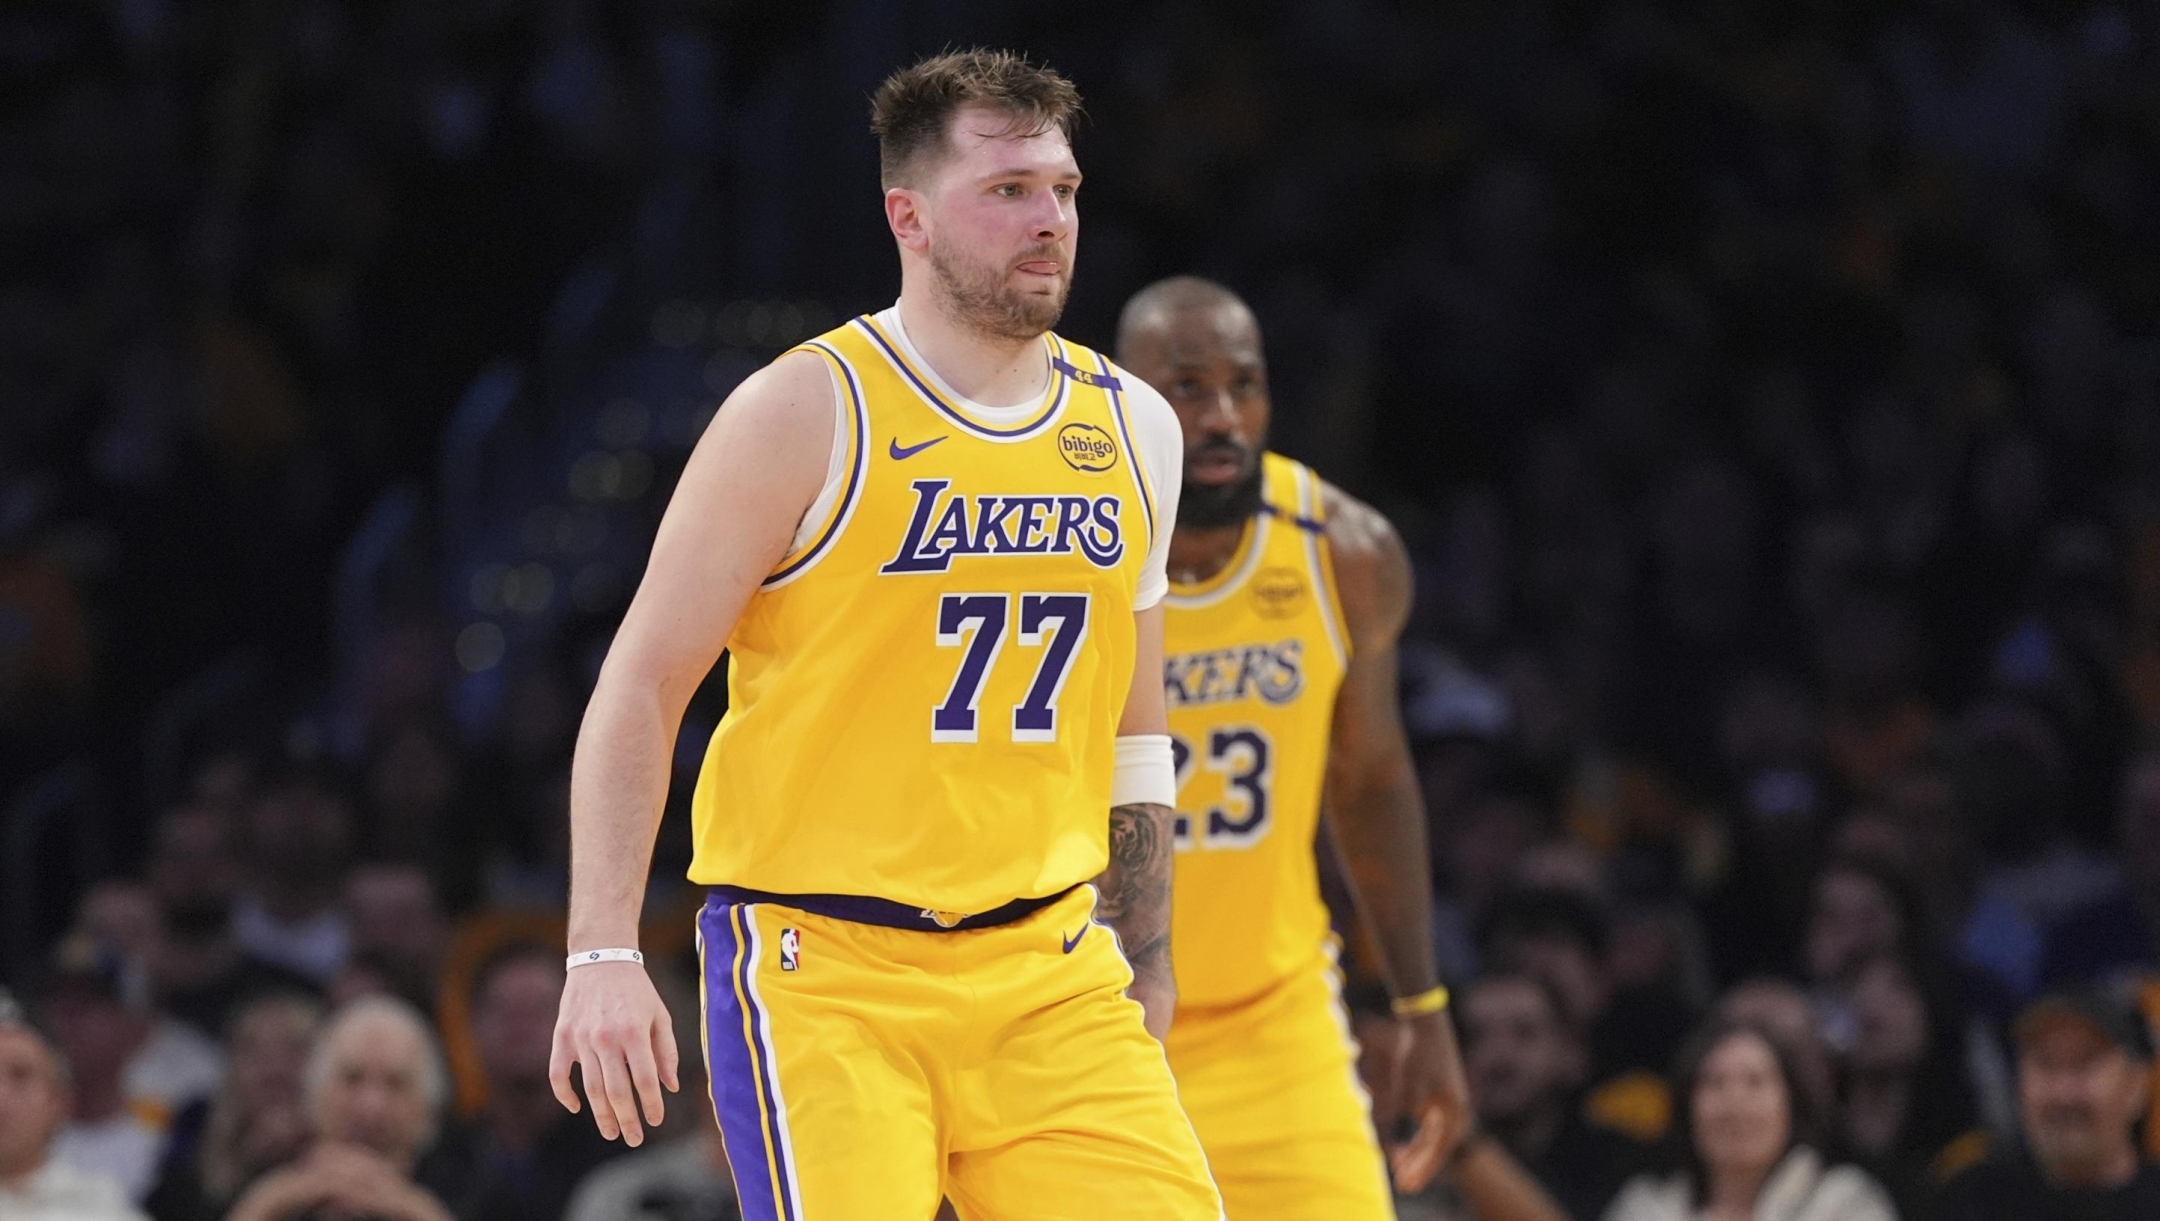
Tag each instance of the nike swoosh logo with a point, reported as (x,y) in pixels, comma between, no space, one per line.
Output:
(1074,940)
(898,452)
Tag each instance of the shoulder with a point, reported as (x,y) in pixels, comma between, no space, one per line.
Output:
(779,423)
(1848,1193)
(93,1197)
(1371,565)
(797,384)
(1354,529)
(1157,438)
(1152,418)
(1650,1198)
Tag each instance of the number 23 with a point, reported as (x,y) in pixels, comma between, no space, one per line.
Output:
(1245,757)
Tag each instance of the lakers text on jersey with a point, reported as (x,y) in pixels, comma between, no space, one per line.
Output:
(1261,1047)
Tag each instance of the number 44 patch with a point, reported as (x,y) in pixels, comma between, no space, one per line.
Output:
(790,950)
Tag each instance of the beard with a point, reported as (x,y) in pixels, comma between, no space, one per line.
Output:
(980,297)
(1209,506)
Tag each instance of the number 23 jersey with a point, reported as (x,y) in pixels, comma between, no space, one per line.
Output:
(924,694)
(1253,659)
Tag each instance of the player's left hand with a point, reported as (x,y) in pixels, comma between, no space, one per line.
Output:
(1421,1099)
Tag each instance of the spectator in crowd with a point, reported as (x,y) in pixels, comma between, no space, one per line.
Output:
(127,1083)
(1558,936)
(1750,1148)
(1782,1008)
(122,916)
(258,1119)
(1859,910)
(297,833)
(2084,1070)
(1864,910)
(1906,1110)
(35,1185)
(685,1176)
(200,971)
(1525,1063)
(375,1087)
(175,1064)
(523,1155)
(398,927)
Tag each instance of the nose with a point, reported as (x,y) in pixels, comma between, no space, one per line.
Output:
(1221,415)
(1054,222)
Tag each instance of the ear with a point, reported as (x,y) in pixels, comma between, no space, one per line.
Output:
(907,214)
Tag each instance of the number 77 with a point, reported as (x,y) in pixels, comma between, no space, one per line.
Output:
(1055,622)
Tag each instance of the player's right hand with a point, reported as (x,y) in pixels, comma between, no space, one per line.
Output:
(613,1027)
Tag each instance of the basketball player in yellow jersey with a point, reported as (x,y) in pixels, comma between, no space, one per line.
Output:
(933,543)
(1287,598)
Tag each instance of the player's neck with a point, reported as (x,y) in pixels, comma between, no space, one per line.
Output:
(1198,553)
(994,370)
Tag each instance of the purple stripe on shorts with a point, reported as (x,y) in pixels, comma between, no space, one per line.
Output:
(736,1068)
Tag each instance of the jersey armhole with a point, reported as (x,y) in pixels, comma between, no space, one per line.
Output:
(1321,558)
(1143,477)
(827,515)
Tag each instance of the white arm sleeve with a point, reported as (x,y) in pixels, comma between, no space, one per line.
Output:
(1161,444)
(1146,771)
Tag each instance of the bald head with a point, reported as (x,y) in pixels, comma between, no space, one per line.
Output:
(376,1079)
(1199,344)
(1154,307)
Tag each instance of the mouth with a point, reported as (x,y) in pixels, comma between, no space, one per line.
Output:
(1216,466)
(1046,268)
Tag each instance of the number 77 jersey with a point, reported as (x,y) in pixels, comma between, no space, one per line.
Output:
(1254,657)
(924,694)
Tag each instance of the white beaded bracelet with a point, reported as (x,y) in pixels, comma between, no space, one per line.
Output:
(588,957)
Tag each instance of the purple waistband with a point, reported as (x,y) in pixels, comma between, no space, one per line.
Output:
(862,909)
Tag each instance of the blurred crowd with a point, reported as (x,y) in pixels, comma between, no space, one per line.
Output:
(1769,394)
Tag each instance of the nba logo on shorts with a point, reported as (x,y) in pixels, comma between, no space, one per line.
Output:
(790,947)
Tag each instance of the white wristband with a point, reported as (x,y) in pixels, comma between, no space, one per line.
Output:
(1146,771)
(587,958)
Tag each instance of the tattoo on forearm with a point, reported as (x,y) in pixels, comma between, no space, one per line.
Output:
(1135,890)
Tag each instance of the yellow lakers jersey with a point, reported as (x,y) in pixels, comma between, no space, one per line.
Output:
(923,698)
(1253,658)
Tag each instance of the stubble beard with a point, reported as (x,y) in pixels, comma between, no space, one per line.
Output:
(979,298)
(1203,506)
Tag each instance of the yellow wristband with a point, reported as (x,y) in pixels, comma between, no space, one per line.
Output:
(1431,1000)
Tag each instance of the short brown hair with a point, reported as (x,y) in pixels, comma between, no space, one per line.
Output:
(912,109)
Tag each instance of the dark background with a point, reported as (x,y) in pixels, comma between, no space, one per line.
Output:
(1767,393)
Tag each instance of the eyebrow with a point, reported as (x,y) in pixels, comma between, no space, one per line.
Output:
(1021,172)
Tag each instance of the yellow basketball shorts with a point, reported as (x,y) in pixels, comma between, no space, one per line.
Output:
(863,1071)
(1271,1086)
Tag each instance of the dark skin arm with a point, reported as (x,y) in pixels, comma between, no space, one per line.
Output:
(1377,819)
